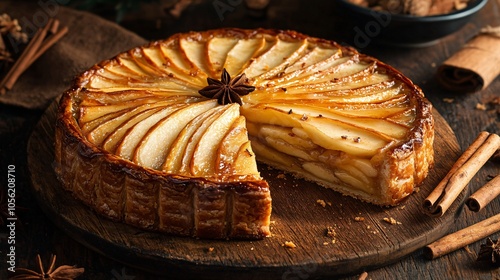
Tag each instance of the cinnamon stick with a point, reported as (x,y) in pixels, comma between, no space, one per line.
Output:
(484,195)
(462,237)
(474,157)
(474,67)
(22,62)
(48,43)
(38,45)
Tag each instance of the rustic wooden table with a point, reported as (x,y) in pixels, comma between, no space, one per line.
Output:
(36,234)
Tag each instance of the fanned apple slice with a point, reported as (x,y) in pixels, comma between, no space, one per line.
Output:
(280,54)
(156,56)
(128,62)
(362,86)
(290,52)
(192,143)
(174,160)
(116,136)
(245,162)
(89,126)
(195,52)
(375,113)
(146,64)
(178,58)
(104,98)
(136,133)
(217,50)
(99,134)
(383,127)
(130,118)
(88,113)
(333,60)
(116,68)
(203,163)
(340,71)
(229,149)
(317,55)
(239,56)
(154,147)
(316,73)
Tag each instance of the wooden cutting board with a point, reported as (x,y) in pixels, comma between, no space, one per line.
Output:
(359,245)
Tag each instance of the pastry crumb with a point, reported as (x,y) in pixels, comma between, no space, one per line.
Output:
(359,219)
(391,221)
(480,106)
(289,244)
(402,207)
(321,202)
(325,243)
(448,100)
(211,249)
(281,176)
(330,232)
(329,203)
(251,249)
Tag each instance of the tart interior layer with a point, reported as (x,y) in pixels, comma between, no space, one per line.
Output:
(321,111)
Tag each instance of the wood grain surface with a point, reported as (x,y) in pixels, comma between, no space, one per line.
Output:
(362,237)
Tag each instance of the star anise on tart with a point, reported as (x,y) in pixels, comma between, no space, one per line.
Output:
(63,272)
(227,90)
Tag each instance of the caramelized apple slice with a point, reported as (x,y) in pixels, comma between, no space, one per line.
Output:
(135,134)
(89,113)
(153,149)
(245,162)
(116,136)
(203,163)
(193,141)
(101,132)
(174,160)
(239,56)
(229,149)
(217,50)
(195,52)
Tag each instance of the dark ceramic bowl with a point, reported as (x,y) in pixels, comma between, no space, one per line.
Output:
(405,30)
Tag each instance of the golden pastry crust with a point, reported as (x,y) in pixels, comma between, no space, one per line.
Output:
(235,204)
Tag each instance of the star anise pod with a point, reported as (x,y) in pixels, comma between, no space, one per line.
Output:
(64,272)
(227,90)
(9,26)
(490,252)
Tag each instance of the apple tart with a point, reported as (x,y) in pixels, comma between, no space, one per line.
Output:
(167,136)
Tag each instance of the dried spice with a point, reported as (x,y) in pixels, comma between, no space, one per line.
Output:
(10,30)
(227,90)
(490,252)
(63,272)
